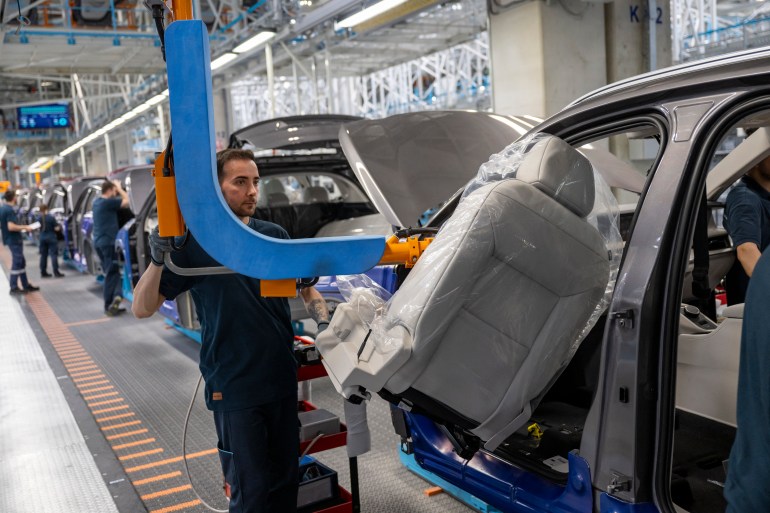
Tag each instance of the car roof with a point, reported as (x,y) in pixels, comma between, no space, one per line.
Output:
(292,132)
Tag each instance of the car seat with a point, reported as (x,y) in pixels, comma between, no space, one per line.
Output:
(275,194)
(493,310)
(315,194)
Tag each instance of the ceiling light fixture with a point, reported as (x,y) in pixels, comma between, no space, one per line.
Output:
(368,13)
(222,60)
(253,42)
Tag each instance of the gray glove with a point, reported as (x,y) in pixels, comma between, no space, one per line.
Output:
(322,326)
(159,246)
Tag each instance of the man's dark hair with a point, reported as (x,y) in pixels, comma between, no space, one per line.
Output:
(107,186)
(9,195)
(43,208)
(225,156)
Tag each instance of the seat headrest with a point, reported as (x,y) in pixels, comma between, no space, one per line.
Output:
(560,171)
(315,194)
(273,186)
(277,199)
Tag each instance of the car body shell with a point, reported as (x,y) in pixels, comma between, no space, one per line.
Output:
(626,446)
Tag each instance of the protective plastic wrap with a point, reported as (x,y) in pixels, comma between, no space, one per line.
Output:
(498,303)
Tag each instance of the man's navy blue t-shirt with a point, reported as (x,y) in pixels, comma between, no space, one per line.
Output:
(105,214)
(747,219)
(746,489)
(7,213)
(247,350)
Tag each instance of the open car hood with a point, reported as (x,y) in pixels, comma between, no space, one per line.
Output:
(411,163)
(293,132)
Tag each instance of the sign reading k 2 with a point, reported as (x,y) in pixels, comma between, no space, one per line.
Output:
(635,13)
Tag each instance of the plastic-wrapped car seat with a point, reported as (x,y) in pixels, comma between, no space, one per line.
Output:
(494,308)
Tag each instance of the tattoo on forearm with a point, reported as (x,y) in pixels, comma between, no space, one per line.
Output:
(318,310)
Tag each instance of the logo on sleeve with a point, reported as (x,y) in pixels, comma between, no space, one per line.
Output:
(216,396)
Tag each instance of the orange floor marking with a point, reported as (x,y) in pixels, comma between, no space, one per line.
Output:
(123,435)
(84,373)
(118,426)
(94,375)
(109,401)
(161,477)
(69,359)
(78,352)
(133,444)
(92,321)
(65,343)
(98,389)
(177,507)
(66,351)
(168,491)
(83,360)
(114,408)
(98,396)
(82,366)
(113,417)
(140,454)
(83,387)
(172,460)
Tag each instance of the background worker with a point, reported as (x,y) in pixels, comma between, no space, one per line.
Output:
(49,243)
(246,358)
(12,238)
(105,212)
(747,220)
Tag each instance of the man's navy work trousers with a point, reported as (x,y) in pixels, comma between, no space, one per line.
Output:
(18,266)
(111,273)
(259,451)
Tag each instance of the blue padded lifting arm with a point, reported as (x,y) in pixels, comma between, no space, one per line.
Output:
(205,211)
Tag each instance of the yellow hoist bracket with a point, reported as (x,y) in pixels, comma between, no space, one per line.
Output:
(278,288)
(170,222)
(406,251)
(534,430)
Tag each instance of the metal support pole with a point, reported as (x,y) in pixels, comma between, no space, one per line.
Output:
(109,153)
(297,98)
(329,92)
(83,161)
(314,78)
(270,78)
(652,42)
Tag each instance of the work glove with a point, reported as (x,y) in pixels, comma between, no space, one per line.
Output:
(159,246)
(322,326)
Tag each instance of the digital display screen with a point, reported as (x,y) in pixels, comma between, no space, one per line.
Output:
(54,115)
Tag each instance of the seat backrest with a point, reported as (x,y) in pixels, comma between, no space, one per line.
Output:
(315,194)
(497,304)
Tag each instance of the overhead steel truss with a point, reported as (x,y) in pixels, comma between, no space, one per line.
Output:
(454,78)
(703,28)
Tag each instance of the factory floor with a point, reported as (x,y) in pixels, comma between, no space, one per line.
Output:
(92,410)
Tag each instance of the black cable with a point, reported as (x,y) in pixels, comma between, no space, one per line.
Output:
(157,15)
(408,232)
(23,20)
(168,157)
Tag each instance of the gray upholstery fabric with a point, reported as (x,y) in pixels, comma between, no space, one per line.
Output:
(315,194)
(555,168)
(498,300)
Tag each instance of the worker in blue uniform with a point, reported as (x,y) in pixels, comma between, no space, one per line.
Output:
(11,231)
(105,216)
(748,472)
(246,357)
(747,220)
(49,243)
